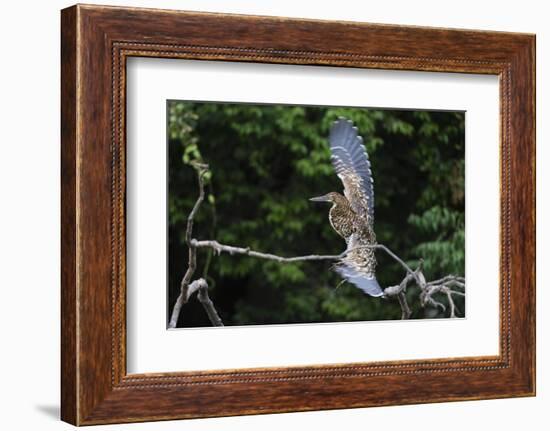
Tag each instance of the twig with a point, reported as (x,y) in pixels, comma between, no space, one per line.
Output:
(451,303)
(209,305)
(185,285)
(405,309)
(232,250)
(200,286)
(246,251)
(400,290)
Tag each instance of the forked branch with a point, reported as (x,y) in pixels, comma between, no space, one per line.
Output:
(187,288)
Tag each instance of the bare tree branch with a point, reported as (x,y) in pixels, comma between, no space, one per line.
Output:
(446,285)
(405,309)
(200,284)
(182,299)
(208,305)
(232,250)
(201,287)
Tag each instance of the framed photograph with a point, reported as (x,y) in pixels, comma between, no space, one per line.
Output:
(264,214)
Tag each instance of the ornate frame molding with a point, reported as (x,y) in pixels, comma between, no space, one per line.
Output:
(96,41)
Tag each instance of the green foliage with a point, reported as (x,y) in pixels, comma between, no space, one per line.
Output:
(446,248)
(265,162)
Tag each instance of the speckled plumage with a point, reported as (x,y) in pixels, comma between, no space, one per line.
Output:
(352,214)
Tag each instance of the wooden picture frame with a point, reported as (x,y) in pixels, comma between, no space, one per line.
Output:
(95,43)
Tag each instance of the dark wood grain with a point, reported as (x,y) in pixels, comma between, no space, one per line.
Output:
(69,398)
(96,41)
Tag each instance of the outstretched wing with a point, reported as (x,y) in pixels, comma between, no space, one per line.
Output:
(359,267)
(352,165)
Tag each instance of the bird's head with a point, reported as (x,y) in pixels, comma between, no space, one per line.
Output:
(332,197)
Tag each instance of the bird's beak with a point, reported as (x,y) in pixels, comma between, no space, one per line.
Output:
(324,198)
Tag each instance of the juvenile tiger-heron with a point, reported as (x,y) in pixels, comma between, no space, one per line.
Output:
(352,214)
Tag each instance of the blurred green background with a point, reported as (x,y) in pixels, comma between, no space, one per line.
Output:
(266,161)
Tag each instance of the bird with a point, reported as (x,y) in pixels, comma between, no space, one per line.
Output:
(352,214)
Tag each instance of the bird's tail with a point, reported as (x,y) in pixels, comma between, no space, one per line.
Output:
(367,283)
